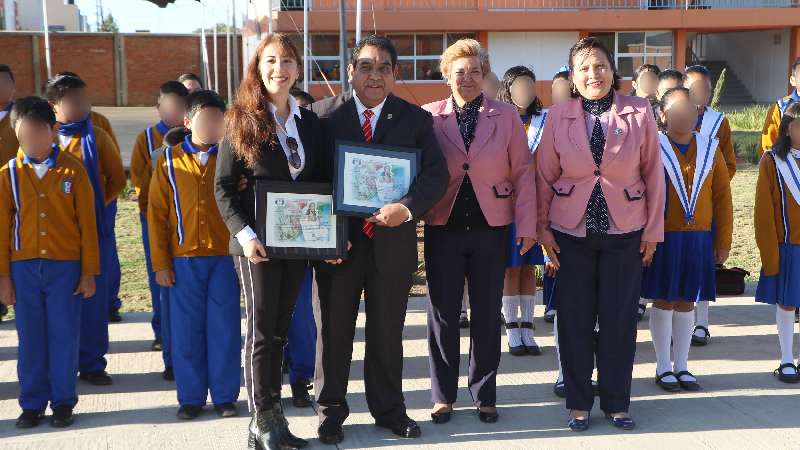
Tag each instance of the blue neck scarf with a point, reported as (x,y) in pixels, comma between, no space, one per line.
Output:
(189,148)
(796,95)
(50,161)
(162,128)
(85,130)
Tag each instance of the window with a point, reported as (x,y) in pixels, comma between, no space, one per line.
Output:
(418,54)
(325,54)
(632,49)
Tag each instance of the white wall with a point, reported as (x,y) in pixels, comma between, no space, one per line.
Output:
(543,51)
(58,14)
(759,58)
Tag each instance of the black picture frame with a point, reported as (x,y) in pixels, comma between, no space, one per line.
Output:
(264,189)
(341,187)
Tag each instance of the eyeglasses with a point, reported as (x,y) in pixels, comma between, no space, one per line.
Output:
(294,156)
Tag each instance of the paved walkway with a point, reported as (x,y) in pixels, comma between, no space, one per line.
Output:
(741,405)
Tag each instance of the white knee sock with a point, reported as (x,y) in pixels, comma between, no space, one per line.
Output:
(785,322)
(661,330)
(510,314)
(558,353)
(682,324)
(526,305)
(701,309)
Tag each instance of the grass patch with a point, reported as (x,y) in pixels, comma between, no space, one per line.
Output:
(744,253)
(751,118)
(747,146)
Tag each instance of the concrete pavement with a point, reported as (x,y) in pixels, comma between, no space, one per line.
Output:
(741,405)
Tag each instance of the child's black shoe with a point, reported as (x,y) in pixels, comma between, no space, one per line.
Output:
(29,418)
(62,417)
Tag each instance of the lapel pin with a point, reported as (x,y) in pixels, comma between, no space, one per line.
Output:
(389,116)
(618,131)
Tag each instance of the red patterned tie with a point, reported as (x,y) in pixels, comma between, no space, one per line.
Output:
(368,228)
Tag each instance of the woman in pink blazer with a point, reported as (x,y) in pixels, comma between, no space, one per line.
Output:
(600,184)
(492,184)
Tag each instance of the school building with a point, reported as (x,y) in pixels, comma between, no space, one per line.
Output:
(754,39)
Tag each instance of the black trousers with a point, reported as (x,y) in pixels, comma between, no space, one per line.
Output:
(599,282)
(339,287)
(270,290)
(450,256)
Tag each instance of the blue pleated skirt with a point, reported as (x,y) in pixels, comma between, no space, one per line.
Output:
(682,268)
(534,257)
(783,288)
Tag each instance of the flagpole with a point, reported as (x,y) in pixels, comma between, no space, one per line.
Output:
(228,51)
(306,50)
(47,40)
(216,59)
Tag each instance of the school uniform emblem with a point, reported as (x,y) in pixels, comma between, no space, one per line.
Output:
(66,185)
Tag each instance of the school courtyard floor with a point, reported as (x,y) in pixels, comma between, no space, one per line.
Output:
(741,405)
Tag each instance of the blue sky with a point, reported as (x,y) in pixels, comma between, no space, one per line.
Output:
(183,16)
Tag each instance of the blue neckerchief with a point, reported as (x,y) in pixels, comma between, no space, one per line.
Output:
(162,128)
(50,161)
(524,118)
(191,149)
(9,107)
(795,95)
(699,122)
(683,148)
(85,129)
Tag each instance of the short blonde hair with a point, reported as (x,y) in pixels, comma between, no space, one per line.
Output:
(464,48)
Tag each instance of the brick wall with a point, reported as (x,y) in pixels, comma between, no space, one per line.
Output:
(149,60)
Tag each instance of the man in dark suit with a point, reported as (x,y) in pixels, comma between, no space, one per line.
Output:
(383,253)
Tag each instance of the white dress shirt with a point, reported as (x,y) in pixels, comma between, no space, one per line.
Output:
(290,128)
(64,140)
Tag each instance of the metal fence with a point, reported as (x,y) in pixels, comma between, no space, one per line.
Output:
(537,5)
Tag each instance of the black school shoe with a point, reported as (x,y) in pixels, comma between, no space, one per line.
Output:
(189,412)
(29,418)
(403,426)
(669,386)
(687,385)
(168,374)
(560,389)
(101,378)
(62,417)
(300,395)
(787,378)
(226,410)
(114,316)
(156,345)
(699,341)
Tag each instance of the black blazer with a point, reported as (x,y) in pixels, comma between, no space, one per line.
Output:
(238,208)
(400,124)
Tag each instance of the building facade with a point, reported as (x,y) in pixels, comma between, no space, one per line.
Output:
(756,40)
(26,15)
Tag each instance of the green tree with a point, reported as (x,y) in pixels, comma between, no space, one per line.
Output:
(718,89)
(109,25)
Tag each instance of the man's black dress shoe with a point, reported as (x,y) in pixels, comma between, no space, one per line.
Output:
(330,433)
(402,426)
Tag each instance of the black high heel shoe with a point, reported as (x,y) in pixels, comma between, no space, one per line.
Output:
(488,417)
(442,416)
(579,425)
(283,424)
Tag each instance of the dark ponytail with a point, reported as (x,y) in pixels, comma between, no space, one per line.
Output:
(784,143)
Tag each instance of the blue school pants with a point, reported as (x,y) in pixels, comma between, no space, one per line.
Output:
(114,267)
(205,322)
(94,314)
(48,318)
(302,337)
(155,289)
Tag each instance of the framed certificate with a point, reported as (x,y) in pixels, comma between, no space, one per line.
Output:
(369,176)
(295,220)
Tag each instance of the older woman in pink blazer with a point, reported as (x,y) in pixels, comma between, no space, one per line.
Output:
(601,191)
(492,184)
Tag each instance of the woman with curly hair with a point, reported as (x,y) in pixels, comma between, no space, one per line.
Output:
(268,137)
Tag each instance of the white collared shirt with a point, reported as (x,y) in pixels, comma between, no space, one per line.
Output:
(290,129)
(376,113)
(64,140)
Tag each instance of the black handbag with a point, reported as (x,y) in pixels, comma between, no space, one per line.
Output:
(730,280)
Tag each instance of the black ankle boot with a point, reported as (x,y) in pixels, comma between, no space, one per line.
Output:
(291,439)
(265,434)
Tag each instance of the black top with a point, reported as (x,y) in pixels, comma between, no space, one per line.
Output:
(597,219)
(467,214)
(401,124)
(237,208)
